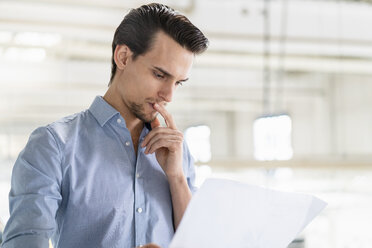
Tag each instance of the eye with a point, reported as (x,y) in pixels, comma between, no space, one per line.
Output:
(179,83)
(158,75)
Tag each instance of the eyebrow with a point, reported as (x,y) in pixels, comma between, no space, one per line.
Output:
(168,74)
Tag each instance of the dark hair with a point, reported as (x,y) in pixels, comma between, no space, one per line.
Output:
(140,25)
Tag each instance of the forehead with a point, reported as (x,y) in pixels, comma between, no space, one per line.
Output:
(167,54)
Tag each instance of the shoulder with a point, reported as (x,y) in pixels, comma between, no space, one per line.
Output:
(69,126)
(69,122)
(60,132)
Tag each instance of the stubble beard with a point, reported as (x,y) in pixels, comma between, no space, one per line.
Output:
(138,111)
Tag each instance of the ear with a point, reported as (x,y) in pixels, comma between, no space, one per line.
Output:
(122,55)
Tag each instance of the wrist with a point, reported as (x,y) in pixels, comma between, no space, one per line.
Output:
(174,171)
(176,178)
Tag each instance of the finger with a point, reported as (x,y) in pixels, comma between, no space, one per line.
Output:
(169,144)
(155,123)
(151,246)
(159,137)
(167,117)
(154,139)
(154,132)
(162,131)
(166,133)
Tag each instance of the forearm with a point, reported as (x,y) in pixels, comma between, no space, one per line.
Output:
(181,196)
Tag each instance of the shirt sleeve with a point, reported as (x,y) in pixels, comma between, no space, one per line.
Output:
(35,193)
(189,168)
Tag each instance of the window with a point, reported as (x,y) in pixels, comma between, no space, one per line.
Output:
(198,140)
(272,138)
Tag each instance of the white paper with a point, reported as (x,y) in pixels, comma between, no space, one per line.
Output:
(224,214)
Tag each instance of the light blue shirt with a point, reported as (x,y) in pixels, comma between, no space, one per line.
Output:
(79,182)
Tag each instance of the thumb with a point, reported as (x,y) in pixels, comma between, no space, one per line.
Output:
(155,123)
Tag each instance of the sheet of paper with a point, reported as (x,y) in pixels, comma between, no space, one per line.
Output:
(228,214)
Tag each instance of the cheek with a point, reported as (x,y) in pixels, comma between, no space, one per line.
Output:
(140,84)
(148,85)
(132,83)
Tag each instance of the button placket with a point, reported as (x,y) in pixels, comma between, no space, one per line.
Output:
(141,217)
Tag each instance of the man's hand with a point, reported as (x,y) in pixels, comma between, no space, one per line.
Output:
(150,246)
(166,142)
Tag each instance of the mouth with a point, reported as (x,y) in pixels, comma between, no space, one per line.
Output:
(152,106)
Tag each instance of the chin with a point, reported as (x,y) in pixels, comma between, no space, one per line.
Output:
(152,118)
(146,118)
(139,111)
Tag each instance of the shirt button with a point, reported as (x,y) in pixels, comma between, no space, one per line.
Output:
(139,210)
(137,175)
(118,121)
(127,143)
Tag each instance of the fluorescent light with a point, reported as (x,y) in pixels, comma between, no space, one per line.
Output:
(5,37)
(25,54)
(37,39)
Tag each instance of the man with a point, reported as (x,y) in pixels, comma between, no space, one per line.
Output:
(111,176)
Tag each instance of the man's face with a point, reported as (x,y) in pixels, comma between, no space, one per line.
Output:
(154,76)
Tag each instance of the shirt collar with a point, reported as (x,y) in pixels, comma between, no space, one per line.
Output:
(102,111)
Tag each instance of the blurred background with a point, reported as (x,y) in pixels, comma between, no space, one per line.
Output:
(281,99)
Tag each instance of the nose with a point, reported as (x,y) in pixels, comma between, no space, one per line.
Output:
(166,91)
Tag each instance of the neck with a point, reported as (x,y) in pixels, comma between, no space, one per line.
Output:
(133,124)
